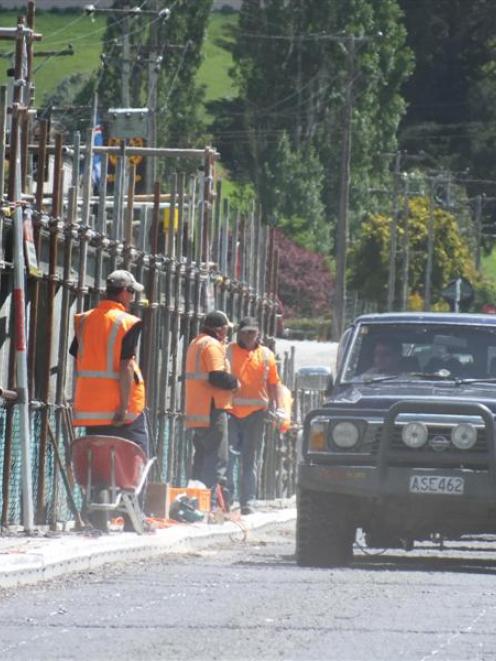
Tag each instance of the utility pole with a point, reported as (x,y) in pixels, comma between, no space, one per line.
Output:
(394,235)
(430,249)
(478,231)
(154,62)
(338,309)
(406,246)
(126,61)
(298,88)
(338,303)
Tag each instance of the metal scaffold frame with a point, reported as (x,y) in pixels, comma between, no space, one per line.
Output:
(60,235)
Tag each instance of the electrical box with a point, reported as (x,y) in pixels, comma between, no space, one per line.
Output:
(127,123)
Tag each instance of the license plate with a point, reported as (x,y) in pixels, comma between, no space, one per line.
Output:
(449,486)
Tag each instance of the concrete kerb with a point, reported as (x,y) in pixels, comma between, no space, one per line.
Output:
(33,560)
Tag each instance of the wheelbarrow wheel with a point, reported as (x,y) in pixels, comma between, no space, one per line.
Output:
(99,519)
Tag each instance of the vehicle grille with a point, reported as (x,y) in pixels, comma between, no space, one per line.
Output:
(398,445)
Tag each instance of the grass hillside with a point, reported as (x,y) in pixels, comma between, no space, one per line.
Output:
(59,29)
(62,28)
(214,71)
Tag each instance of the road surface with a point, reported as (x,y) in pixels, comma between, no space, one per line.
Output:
(310,353)
(249,600)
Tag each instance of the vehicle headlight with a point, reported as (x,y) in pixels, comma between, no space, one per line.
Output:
(345,434)
(464,436)
(415,434)
(317,439)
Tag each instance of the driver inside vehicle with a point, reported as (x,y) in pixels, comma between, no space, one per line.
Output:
(386,357)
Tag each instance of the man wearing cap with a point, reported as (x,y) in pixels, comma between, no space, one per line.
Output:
(255,368)
(209,386)
(109,391)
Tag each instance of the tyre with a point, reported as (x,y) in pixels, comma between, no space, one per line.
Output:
(325,531)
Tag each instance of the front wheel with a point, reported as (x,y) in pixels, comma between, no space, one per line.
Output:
(325,530)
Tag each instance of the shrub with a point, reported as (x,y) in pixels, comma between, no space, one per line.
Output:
(305,282)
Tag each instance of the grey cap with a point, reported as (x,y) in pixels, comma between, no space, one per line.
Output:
(216,319)
(123,280)
(248,324)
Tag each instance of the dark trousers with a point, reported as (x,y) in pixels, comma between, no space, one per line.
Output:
(245,444)
(210,444)
(136,431)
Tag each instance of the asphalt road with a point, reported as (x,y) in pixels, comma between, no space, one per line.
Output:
(310,353)
(248,600)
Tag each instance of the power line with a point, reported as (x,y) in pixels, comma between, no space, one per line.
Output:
(176,73)
(303,36)
(102,29)
(68,25)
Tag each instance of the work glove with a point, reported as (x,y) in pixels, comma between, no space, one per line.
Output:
(280,414)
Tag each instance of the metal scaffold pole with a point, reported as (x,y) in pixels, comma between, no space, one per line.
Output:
(22,402)
(19,297)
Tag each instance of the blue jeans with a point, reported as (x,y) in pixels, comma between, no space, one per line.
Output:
(245,444)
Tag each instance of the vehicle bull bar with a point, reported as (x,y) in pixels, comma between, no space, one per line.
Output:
(441,407)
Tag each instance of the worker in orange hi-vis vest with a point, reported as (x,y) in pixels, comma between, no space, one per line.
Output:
(260,388)
(209,388)
(109,396)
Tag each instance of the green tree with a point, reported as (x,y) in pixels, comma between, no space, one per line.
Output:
(451,110)
(369,258)
(291,191)
(181,109)
(290,69)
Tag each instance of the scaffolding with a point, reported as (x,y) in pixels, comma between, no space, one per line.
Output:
(62,230)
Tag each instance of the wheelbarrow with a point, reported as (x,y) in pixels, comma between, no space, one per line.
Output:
(112,472)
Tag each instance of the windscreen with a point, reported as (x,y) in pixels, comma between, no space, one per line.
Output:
(413,349)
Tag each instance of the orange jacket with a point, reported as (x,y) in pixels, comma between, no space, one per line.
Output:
(255,370)
(205,354)
(97,394)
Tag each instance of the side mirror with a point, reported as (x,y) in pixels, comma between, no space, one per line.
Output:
(330,386)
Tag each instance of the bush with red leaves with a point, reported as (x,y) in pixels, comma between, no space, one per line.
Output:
(305,281)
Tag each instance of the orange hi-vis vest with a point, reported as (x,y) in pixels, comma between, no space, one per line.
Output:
(99,333)
(205,354)
(252,369)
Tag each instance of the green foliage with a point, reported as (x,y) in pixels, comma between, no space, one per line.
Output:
(291,191)
(66,94)
(59,29)
(370,252)
(180,97)
(485,292)
(291,77)
(309,328)
(451,109)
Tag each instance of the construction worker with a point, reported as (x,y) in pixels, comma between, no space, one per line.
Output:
(209,387)
(260,387)
(109,394)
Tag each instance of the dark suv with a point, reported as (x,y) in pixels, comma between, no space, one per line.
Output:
(404,447)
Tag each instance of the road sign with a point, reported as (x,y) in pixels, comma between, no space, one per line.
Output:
(137,160)
(458,292)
